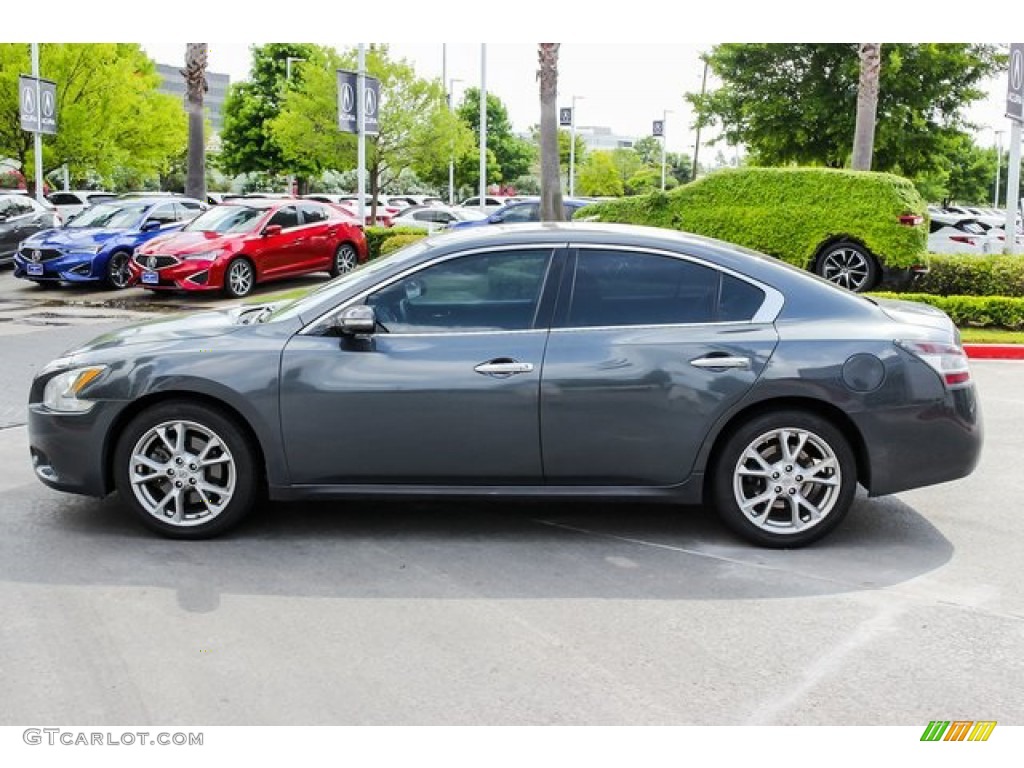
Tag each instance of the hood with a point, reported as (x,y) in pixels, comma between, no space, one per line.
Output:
(72,238)
(175,328)
(916,313)
(190,242)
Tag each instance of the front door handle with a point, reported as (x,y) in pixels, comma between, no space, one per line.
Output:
(503,366)
(721,362)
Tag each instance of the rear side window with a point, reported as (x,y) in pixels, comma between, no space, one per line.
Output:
(625,288)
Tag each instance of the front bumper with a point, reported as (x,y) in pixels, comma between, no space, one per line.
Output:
(69,450)
(70,268)
(185,276)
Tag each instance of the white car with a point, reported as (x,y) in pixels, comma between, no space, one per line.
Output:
(434,218)
(491,202)
(953,233)
(73,201)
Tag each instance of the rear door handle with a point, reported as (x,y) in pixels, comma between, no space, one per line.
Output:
(503,367)
(721,362)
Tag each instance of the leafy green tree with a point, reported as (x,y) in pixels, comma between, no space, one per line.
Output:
(648,149)
(796,103)
(599,176)
(513,156)
(417,132)
(111,117)
(648,180)
(247,145)
(627,162)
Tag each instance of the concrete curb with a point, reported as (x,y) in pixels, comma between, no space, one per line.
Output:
(995,351)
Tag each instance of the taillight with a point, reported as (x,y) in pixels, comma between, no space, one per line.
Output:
(948,360)
(961,239)
(911,220)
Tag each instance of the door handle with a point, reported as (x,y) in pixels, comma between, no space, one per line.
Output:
(722,361)
(503,367)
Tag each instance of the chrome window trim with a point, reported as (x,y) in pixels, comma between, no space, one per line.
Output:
(767,313)
(359,297)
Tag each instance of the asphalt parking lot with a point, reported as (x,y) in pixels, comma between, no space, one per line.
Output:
(501,613)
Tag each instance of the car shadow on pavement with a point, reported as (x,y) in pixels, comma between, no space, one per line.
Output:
(464,550)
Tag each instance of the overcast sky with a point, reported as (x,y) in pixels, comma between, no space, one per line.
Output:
(624,86)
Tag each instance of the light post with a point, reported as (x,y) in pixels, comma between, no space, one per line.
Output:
(288,77)
(451,159)
(572,148)
(664,143)
(999,162)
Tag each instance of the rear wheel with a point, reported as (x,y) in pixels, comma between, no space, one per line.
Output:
(185,470)
(785,479)
(849,266)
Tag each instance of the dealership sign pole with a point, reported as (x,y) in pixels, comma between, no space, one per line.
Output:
(358,105)
(37,105)
(1014,111)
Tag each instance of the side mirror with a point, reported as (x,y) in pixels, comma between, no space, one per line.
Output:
(358,320)
(271,229)
(151,226)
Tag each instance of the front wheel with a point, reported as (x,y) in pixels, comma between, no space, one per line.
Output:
(785,479)
(185,470)
(118,272)
(849,266)
(239,279)
(345,260)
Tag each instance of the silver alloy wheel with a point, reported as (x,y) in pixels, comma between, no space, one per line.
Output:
(847,267)
(787,481)
(182,473)
(345,259)
(118,270)
(240,277)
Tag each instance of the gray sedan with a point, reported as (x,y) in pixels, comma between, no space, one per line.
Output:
(570,361)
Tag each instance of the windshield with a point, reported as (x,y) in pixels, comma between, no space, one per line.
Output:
(110,216)
(225,219)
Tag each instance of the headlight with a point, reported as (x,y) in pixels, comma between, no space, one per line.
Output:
(204,256)
(61,392)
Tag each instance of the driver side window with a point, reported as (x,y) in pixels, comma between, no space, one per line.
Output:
(285,217)
(491,291)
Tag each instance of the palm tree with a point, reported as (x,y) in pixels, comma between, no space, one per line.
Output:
(550,178)
(195,86)
(867,105)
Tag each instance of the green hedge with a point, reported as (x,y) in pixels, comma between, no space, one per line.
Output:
(786,212)
(394,243)
(973,276)
(974,311)
(377,236)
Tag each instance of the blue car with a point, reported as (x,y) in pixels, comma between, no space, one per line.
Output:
(96,245)
(520,212)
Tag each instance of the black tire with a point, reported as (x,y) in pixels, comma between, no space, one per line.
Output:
(239,278)
(209,499)
(782,482)
(848,265)
(118,273)
(345,259)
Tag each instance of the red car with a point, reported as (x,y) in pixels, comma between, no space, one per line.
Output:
(235,245)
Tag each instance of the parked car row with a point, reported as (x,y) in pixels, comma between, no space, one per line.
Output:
(968,230)
(180,243)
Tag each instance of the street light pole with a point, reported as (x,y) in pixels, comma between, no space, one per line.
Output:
(483,127)
(288,78)
(999,162)
(664,144)
(572,148)
(451,158)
